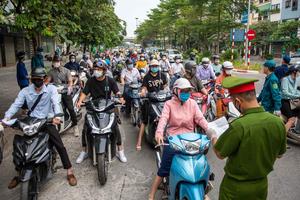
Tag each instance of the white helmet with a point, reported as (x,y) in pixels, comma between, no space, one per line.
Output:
(182,83)
(154,63)
(227,65)
(205,60)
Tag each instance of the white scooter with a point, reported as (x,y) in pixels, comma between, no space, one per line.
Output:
(66,119)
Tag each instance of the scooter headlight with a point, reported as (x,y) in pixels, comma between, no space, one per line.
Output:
(192,147)
(30,129)
(175,147)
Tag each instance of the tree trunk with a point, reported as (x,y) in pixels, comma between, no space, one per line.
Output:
(34,43)
(68,49)
(84,47)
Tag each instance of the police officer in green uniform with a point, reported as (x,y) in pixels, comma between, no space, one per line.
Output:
(251,143)
(270,97)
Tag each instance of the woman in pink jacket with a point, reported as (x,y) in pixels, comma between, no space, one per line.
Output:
(180,115)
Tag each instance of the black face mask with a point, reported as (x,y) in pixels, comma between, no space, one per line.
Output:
(37,82)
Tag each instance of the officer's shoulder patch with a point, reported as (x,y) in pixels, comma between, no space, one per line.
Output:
(275,86)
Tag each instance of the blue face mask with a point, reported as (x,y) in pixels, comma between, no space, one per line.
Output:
(184,96)
(154,69)
(130,66)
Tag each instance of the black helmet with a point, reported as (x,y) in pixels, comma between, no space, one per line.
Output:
(72,55)
(40,49)
(20,54)
(189,66)
(293,69)
(128,61)
(38,72)
(56,58)
(177,57)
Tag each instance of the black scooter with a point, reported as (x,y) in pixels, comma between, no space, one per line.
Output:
(33,156)
(156,105)
(102,122)
(135,100)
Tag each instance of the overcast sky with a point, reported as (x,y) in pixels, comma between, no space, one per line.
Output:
(128,10)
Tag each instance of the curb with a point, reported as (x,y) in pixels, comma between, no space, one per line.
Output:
(246,71)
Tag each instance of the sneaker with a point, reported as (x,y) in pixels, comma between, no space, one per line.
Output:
(121,156)
(76,131)
(83,155)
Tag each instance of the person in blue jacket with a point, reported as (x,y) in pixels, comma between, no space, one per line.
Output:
(22,74)
(72,64)
(270,96)
(282,70)
(37,60)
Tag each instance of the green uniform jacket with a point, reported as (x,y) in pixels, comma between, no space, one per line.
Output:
(270,97)
(252,143)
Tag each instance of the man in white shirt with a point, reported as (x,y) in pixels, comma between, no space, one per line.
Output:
(129,75)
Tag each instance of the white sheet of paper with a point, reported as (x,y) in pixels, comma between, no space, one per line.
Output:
(220,125)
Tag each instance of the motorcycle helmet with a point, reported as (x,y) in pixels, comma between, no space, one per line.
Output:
(21,55)
(227,65)
(205,60)
(215,57)
(189,66)
(100,64)
(182,83)
(38,72)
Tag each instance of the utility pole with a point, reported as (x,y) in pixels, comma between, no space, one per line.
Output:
(136,22)
(247,29)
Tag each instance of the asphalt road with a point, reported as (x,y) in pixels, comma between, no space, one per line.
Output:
(132,180)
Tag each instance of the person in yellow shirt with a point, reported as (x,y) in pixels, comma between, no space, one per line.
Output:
(141,64)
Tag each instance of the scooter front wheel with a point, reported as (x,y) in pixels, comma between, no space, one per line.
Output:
(29,189)
(102,168)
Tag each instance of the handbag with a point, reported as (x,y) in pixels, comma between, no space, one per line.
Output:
(294,103)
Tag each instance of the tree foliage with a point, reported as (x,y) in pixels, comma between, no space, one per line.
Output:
(90,22)
(191,23)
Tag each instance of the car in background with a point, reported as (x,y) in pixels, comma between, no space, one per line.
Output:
(172,53)
(295,59)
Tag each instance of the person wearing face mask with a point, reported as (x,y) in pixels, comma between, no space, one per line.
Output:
(217,67)
(61,75)
(72,64)
(289,92)
(141,64)
(37,60)
(177,71)
(128,76)
(251,144)
(179,115)
(165,66)
(190,74)
(270,97)
(154,81)
(100,86)
(227,69)
(47,105)
(205,70)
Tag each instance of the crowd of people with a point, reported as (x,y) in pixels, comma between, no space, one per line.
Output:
(251,144)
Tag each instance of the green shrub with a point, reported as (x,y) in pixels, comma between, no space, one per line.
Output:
(227,55)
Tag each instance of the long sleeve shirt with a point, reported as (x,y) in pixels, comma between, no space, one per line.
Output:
(205,73)
(48,104)
(289,88)
(180,118)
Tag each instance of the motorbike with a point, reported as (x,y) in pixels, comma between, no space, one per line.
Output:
(156,105)
(66,118)
(101,122)
(173,79)
(33,156)
(190,172)
(134,89)
(293,135)
(208,104)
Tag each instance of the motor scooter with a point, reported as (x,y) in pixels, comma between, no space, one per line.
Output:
(134,89)
(190,170)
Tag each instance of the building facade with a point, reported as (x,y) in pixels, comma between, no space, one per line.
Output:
(290,10)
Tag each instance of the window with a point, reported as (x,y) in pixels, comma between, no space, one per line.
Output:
(261,1)
(294,5)
(287,3)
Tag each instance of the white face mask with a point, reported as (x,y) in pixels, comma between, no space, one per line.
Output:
(56,65)
(72,60)
(228,71)
(177,61)
(98,74)
(142,59)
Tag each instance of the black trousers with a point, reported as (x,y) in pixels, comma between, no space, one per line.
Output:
(116,134)
(68,102)
(55,140)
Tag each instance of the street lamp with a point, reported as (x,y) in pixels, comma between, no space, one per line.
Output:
(136,22)
(248,24)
